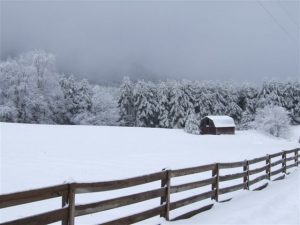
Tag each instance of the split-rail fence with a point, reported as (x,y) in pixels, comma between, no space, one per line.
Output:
(69,210)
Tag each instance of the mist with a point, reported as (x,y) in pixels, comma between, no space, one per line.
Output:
(240,41)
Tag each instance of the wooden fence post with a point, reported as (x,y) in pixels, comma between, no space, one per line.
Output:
(168,195)
(71,198)
(296,157)
(246,176)
(166,182)
(284,162)
(215,186)
(268,169)
(163,184)
(65,202)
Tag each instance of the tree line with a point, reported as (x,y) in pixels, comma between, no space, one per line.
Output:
(33,91)
(169,104)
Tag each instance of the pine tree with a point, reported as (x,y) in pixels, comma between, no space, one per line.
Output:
(164,96)
(77,98)
(247,101)
(145,104)
(125,103)
(180,106)
(231,106)
(290,95)
(202,98)
(192,124)
(269,95)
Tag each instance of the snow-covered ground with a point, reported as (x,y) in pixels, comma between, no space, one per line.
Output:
(277,204)
(35,156)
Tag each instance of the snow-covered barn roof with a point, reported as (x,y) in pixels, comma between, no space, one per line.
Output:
(222,121)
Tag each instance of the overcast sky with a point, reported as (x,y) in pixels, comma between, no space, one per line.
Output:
(200,40)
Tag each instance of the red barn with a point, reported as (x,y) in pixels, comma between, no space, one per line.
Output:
(217,125)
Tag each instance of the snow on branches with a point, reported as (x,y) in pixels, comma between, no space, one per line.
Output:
(273,120)
(33,91)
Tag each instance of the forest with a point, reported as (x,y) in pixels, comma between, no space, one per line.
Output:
(33,91)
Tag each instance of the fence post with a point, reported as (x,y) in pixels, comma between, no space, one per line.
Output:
(168,195)
(215,186)
(284,162)
(246,176)
(166,182)
(268,169)
(65,202)
(296,157)
(71,198)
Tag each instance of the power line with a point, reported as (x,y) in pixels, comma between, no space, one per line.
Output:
(288,15)
(275,21)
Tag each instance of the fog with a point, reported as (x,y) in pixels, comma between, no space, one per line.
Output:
(199,40)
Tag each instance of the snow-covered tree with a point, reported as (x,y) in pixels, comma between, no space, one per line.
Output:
(270,94)
(126,104)
(202,98)
(290,94)
(29,85)
(231,106)
(104,107)
(77,99)
(273,120)
(164,97)
(145,104)
(247,100)
(8,114)
(180,105)
(192,124)
(32,91)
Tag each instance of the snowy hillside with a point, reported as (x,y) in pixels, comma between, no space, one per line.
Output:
(35,156)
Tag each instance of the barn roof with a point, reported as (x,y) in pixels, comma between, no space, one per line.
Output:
(222,121)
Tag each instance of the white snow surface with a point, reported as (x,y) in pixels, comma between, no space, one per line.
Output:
(222,121)
(34,156)
(279,203)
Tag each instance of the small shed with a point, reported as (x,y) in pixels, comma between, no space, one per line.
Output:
(217,125)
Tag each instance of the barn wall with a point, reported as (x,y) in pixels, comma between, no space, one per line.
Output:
(208,130)
(225,130)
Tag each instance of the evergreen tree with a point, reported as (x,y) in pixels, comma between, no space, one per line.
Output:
(192,124)
(77,99)
(247,100)
(180,106)
(164,97)
(202,99)
(125,103)
(145,104)
(269,95)
(231,103)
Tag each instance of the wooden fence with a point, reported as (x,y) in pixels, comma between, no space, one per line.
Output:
(69,210)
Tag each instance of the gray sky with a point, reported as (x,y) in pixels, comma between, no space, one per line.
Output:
(211,40)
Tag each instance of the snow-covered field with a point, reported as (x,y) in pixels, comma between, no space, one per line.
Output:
(277,204)
(35,156)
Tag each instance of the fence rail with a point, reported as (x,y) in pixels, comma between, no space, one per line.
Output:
(68,192)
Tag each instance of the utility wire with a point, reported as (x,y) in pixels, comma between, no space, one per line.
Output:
(278,24)
(288,15)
